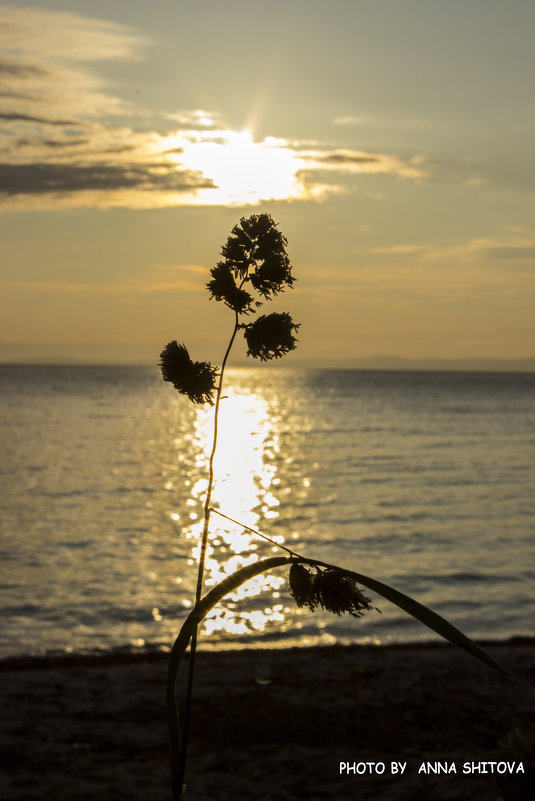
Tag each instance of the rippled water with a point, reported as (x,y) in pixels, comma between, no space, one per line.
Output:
(422,480)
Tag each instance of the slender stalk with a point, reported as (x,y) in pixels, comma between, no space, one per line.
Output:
(207,508)
(254,531)
(178,780)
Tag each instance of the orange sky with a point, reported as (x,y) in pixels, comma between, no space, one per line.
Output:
(391,141)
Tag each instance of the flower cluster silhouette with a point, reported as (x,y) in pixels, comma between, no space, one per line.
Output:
(254,257)
(197,380)
(329,589)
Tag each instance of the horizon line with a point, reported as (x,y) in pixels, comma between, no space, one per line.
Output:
(371,363)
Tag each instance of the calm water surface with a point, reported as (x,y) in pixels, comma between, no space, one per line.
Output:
(422,480)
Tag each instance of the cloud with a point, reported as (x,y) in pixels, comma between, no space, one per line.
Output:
(443,277)
(347,158)
(506,169)
(518,253)
(509,250)
(15,117)
(396,249)
(61,144)
(45,69)
(158,279)
(355,161)
(354,120)
(20,70)
(66,35)
(42,178)
(196,119)
(513,249)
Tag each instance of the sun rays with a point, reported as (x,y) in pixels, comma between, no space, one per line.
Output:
(242,171)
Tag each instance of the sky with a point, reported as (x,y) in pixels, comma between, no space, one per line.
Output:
(391,140)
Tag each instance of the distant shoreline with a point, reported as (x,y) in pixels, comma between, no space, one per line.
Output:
(373,364)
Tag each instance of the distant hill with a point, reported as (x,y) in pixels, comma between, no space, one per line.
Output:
(454,365)
(93,354)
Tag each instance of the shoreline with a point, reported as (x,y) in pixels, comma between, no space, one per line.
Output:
(119,655)
(272,724)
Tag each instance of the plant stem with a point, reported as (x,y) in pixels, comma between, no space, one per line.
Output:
(178,780)
(254,531)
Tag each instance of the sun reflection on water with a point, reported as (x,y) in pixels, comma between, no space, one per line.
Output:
(245,488)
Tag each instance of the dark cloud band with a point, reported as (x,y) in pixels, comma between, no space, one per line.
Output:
(39,178)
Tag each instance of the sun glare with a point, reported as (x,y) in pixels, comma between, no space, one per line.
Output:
(245,468)
(243,171)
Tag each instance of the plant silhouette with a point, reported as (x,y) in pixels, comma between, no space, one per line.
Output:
(254,270)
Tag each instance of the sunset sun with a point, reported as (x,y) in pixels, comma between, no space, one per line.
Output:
(242,170)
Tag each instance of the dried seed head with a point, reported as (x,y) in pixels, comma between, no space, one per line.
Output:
(339,594)
(197,380)
(330,589)
(223,287)
(272,274)
(270,336)
(257,243)
(302,586)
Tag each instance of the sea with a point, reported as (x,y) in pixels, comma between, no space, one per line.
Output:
(422,480)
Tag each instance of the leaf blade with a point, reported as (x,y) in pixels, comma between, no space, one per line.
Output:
(431,619)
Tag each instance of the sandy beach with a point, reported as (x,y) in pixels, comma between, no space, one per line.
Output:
(275,726)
